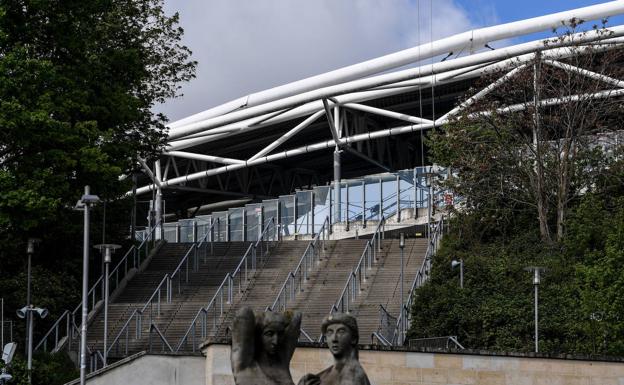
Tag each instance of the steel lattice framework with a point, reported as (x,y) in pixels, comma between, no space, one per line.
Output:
(369,118)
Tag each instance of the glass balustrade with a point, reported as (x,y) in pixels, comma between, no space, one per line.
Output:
(302,213)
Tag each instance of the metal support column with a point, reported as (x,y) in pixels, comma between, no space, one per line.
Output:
(337,217)
(363,203)
(158,206)
(398,197)
(347,206)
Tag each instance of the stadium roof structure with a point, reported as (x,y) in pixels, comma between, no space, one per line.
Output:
(353,121)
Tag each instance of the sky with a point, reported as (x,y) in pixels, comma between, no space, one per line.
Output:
(245,46)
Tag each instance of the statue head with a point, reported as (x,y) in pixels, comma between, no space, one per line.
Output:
(270,328)
(341,334)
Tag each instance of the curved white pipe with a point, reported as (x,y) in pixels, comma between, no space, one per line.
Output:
(367,83)
(474,39)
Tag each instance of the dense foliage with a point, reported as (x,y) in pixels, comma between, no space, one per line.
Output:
(522,177)
(580,295)
(78,82)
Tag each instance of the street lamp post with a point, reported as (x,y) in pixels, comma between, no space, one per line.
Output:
(402,315)
(26,312)
(106,249)
(460,263)
(85,202)
(536,282)
(30,250)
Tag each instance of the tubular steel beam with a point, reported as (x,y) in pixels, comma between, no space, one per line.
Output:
(474,39)
(214,124)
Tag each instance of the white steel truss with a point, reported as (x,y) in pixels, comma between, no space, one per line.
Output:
(347,88)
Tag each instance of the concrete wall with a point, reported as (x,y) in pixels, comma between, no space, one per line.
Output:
(145,369)
(382,366)
(402,368)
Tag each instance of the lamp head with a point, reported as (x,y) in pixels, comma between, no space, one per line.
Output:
(31,245)
(5,377)
(402,240)
(455,263)
(89,199)
(107,249)
(23,312)
(41,311)
(8,352)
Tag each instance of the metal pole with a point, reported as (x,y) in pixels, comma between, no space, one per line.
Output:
(30,336)
(337,185)
(85,290)
(402,313)
(2,324)
(461,273)
(28,315)
(536,316)
(134,209)
(106,288)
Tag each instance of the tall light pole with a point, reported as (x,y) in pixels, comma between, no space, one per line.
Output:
(30,250)
(26,312)
(85,202)
(536,282)
(402,315)
(460,263)
(106,249)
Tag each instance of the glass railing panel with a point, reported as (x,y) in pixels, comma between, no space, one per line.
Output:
(287,214)
(187,230)
(170,232)
(389,196)
(304,212)
(354,208)
(236,223)
(270,208)
(321,206)
(253,213)
(203,226)
(372,203)
(220,227)
(407,189)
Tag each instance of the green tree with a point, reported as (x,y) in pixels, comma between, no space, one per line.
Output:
(78,84)
(534,141)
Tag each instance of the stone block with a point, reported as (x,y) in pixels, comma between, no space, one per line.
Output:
(419,360)
(447,361)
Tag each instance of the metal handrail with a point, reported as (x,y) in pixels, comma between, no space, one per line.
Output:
(202,313)
(201,317)
(136,315)
(403,320)
(97,285)
(358,275)
(66,316)
(195,247)
(156,296)
(306,335)
(310,255)
(164,341)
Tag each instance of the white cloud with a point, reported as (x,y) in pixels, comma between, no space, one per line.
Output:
(244,46)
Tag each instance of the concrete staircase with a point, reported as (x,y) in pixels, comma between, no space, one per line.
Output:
(320,292)
(383,285)
(187,298)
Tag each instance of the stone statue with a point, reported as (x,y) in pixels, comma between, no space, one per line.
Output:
(262,347)
(341,334)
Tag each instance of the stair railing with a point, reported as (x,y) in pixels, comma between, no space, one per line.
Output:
(216,308)
(126,335)
(359,275)
(131,260)
(403,320)
(186,264)
(295,280)
(209,315)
